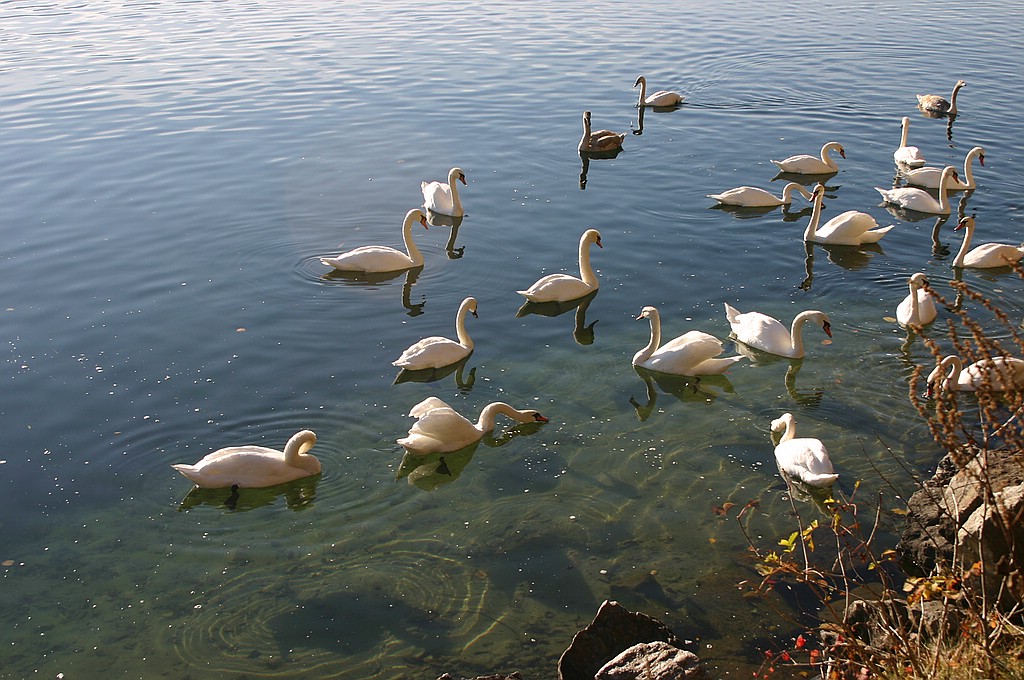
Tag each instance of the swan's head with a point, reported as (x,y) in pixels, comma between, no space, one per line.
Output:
(980,153)
(640,79)
(647,312)
(415,215)
(782,423)
(822,318)
(592,236)
(918,280)
(905,123)
(470,304)
(939,375)
(965,223)
(837,147)
(948,172)
(959,84)
(456,174)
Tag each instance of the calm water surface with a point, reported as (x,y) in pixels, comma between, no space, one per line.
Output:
(174,170)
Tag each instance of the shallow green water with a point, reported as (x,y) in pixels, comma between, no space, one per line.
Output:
(174,171)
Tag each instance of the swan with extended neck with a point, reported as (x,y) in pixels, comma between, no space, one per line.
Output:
(440,429)
(563,287)
(987,255)
(444,198)
(909,156)
(659,98)
(767,333)
(920,200)
(850,228)
(996,374)
(249,467)
(805,164)
(918,308)
(693,353)
(596,141)
(753,197)
(371,259)
(937,104)
(804,459)
(931,178)
(437,351)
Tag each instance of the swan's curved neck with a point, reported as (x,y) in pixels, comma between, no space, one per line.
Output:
(460,326)
(586,271)
(969,166)
(410,245)
(954,365)
(811,232)
(796,333)
(643,91)
(790,431)
(958,261)
(826,157)
(490,414)
(944,191)
(903,135)
(915,314)
(952,99)
(585,140)
(297,447)
(453,185)
(652,346)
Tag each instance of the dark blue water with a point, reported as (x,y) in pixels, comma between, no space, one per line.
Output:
(173,172)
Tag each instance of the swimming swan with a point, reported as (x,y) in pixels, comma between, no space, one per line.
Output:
(920,200)
(251,467)
(931,178)
(987,255)
(563,287)
(767,333)
(444,198)
(693,353)
(919,306)
(936,104)
(440,429)
(805,164)
(805,459)
(382,258)
(909,156)
(659,98)
(850,228)
(437,351)
(600,140)
(755,197)
(994,375)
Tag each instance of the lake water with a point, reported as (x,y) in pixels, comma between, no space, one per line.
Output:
(174,170)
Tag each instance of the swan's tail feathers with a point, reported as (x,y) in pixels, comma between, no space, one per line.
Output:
(818,479)
(187,470)
(731,313)
(716,366)
(778,164)
(883,192)
(875,235)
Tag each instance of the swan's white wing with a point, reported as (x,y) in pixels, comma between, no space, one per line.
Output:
(747,196)
(762,332)
(426,405)
(992,255)
(556,287)
(437,196)
(369,259)
(806,459)
(432,352)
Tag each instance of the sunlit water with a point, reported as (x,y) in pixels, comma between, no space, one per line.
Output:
(172,173)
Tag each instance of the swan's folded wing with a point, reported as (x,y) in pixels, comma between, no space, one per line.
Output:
(428,404)
(697,345)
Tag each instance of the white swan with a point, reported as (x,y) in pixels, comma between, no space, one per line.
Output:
(987,255)
(936,104)
(909,156)
(444,198)
(805,164)
(563,287)
(437,351)
(693,353)
(767,333)
(382,258)
(931,178)
(440,429)
(659,98)
(850,228)
(599,140)
(252,467)
(804,459)
(755,197)
(918,307)
(920,200)
(997,374)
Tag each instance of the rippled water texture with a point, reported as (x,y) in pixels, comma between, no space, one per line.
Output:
(173,171)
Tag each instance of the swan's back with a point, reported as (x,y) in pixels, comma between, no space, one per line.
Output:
(807,460)
(852,228)
(437,196)
(759,331)
(248,467)
(369,259)
(991,255)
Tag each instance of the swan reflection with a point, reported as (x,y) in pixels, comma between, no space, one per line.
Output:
(810,397)
(374,280)
(582,333)
(436,219)
(426,375)
(704,388)
(298,495)
(851,258)
(585,157)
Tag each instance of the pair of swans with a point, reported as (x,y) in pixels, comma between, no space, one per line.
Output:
(372,259)
(987,255)
(908,156)
(996,374)
(918,308)
(920,200)
(659,98)
(441,429)
(931,178)
(597,141)
(753,197)
(767,333)
(851,228)
(250,467)
(437,351)
(804,459)
(805,164)
(933,103)
(693,353)
(563,287)
(444,198)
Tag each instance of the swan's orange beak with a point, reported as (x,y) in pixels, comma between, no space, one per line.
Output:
(598,242)
(423,221)
(462,178)
(842,152)
(981,159)
(473,312)
(827,327)
(539,418)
